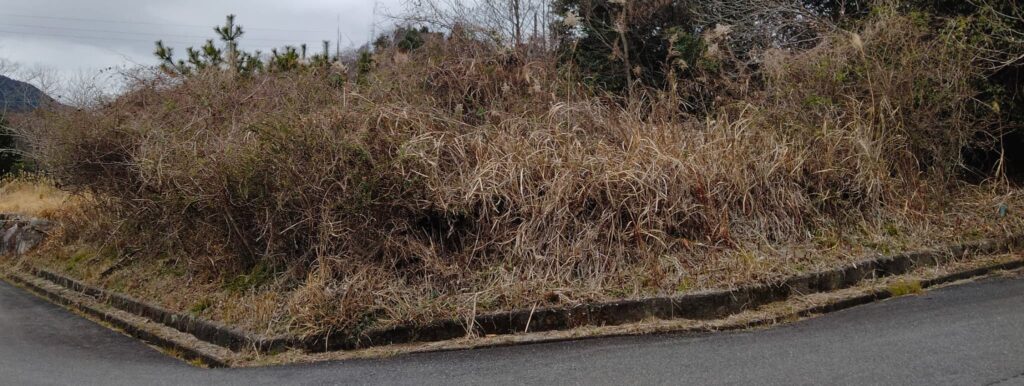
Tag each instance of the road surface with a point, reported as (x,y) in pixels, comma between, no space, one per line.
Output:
(971,334)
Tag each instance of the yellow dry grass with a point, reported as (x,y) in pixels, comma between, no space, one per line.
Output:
(32,197)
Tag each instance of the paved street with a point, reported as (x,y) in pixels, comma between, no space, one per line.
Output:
(966,335)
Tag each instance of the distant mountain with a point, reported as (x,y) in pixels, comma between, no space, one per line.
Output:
(16,96)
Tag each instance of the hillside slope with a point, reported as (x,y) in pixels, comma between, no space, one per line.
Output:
(17,96)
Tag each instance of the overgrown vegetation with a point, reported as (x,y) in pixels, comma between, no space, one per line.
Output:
(460,173)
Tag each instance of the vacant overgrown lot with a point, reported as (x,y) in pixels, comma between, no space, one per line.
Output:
(459,178)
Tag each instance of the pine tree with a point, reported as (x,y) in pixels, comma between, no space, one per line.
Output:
(166,56)
(212,56)
(229,34)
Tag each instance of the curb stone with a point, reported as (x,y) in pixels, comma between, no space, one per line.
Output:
(698,306)
(214,333)
(884,294)
(190,351)
(834,306)
(706,305)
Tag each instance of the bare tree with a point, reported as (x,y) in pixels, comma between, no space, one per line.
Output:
(86,89)
(7,67)
(762,24)
(513,23)
(1006,23)
(44,78)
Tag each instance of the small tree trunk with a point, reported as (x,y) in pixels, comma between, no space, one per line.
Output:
(624,43)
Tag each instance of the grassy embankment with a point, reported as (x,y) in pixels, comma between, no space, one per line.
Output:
(458,179)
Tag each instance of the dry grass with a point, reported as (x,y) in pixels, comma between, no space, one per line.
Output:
(33,197)
(461,179)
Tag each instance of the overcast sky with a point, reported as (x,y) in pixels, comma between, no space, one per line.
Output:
(82,37)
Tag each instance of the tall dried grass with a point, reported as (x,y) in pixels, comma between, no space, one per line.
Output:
(460,171)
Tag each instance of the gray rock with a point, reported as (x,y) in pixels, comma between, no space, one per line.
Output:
(20,235)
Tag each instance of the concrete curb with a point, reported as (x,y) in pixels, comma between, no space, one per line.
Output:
(884,294)
(214,333)
(697,306)
(168,340)
(834,306)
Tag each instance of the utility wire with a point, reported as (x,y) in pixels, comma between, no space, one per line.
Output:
(145,33)
(148,23)
(94,39)
(80,37)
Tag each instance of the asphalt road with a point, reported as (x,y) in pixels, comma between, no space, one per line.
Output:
(966,335)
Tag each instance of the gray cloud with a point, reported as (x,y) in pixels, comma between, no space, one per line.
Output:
(74,37)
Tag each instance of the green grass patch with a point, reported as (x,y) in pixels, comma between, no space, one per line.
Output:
(200,306)
(906,287)
(257,277)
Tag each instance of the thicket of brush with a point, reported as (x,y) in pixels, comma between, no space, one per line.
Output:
(459,167)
